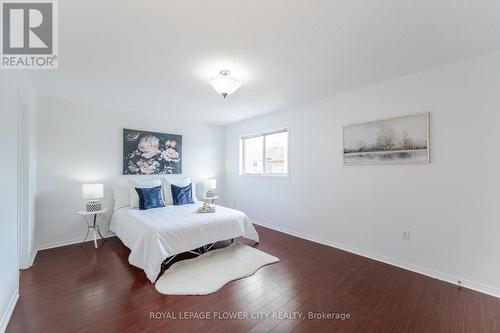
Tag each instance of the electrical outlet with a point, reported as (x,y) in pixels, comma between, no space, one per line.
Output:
(406,235)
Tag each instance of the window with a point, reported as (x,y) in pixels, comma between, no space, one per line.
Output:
(264,154)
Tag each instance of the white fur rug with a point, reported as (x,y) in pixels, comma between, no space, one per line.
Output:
(209,272)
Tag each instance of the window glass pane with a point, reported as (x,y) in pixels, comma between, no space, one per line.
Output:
(276,153)
(252,155)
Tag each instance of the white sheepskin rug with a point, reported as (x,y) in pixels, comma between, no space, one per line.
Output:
(209,272)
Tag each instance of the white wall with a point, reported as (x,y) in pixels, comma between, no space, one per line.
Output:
(13,86)
(450,206)
(80,143)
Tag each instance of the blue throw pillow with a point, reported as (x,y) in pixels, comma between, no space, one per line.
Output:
(182,195)
(150,197)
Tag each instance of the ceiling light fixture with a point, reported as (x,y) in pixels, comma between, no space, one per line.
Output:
(225,84)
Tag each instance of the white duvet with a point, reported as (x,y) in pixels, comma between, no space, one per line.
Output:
(155,234)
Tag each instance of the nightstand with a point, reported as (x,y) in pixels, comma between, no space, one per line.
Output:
(93,219)
(210,199)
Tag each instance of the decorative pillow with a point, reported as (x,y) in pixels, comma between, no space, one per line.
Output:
(134,198)
(150,197)
(182,195)
(179,182)
(121,194)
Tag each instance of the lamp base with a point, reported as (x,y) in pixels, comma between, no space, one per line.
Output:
(94,206)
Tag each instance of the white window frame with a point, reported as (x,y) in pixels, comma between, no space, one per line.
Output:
(263,135)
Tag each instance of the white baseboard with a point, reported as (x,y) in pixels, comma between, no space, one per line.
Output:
(33,256)
(67,242)
(482,288)
(31,260)
(8,312)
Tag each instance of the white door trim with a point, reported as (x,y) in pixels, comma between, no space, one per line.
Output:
(23,206)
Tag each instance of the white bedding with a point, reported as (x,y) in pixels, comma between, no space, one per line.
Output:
(155,234)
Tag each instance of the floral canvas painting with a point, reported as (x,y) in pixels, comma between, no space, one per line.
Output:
(397,140)
(149,153)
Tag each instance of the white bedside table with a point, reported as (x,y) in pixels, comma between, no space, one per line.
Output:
(93,223)
(210,198)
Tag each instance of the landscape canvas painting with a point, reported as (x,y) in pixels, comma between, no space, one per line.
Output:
(150,153)
(396,140)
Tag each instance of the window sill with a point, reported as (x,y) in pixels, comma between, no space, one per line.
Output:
(279,176)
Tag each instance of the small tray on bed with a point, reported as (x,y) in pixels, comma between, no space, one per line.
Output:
(206,208)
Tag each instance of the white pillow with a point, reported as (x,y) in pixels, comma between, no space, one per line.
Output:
(134,197)
(181,182)
(121,194)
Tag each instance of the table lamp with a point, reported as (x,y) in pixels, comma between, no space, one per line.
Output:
(92,193)
(210,186)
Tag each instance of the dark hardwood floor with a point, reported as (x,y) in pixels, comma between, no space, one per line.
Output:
(72,289)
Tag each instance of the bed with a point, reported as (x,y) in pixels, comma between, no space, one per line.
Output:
(154,235)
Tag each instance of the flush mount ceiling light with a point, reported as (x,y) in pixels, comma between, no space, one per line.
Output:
(225,84)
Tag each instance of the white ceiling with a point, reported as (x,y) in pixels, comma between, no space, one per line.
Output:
(158,56)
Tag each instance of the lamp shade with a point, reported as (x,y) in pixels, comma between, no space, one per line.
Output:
(211,184)
(225,84)
(92,191)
